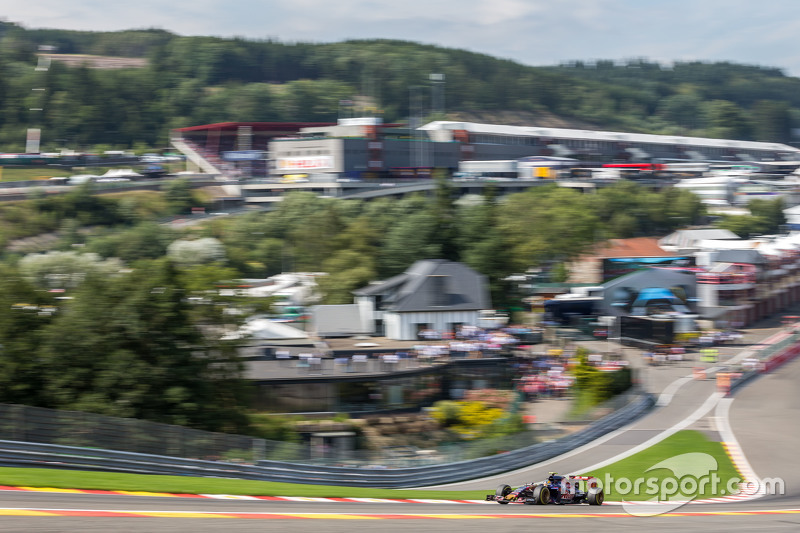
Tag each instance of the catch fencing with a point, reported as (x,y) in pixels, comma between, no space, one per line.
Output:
(17,453)
(88,430)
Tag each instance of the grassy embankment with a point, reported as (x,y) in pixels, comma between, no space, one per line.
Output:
(636,467)
(29,174)
(632,468)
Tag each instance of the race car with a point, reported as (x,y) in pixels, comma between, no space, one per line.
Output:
(555,489)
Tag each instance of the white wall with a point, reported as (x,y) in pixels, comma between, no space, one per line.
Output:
(403,326)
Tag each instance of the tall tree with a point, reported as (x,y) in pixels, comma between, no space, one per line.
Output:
(24,312)
(128,347)
(726,120)
(772,121)
(446,231)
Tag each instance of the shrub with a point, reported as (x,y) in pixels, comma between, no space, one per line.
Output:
(500,399)
(596,385)
(472,419)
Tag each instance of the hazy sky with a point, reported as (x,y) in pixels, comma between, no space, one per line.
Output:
(533,32)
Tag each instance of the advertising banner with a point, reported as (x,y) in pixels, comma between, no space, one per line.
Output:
(243,155)
(305,163)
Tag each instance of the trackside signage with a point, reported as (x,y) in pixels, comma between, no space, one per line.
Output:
(305,163)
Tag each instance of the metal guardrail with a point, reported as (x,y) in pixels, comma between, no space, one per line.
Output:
(14,453)
(769,357)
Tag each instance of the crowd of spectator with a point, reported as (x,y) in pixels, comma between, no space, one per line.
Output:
(434,346)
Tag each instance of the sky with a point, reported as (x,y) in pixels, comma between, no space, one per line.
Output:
(531,32)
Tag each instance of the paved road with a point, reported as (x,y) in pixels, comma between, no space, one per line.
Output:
(344,517)
(765,418)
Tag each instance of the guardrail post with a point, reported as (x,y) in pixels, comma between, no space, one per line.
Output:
(259,449)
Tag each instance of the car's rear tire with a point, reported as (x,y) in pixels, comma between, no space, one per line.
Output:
(595,496)
(541,495)
(502,491)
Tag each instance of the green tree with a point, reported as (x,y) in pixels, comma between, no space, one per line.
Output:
(347,271)
(65,270)
(315,240)
(770,210)
(179,197)
(546,223)
(147,240)
(772,121)
(726,120)
(24,313)
(766,217)
(411,239)
(128,347)
(446,231)
(196,251)
(484,247)
(683,110)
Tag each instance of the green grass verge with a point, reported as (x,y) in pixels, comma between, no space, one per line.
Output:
(632,468)
(28,174)
(636,468)
(70,479)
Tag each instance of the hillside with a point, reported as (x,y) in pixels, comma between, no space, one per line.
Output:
(176,81)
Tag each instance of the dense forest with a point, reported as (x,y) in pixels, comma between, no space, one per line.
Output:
(197,80)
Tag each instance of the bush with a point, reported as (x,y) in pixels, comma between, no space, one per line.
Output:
(446,412)
(596,385)
(273,427)
(501,399)
(472,419)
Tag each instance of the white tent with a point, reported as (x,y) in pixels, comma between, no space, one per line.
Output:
(265,329)
(78,179)
(122,173)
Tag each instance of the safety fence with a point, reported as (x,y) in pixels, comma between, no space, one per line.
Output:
(88,430)
(16,453)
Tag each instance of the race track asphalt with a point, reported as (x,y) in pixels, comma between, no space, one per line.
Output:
(765,417)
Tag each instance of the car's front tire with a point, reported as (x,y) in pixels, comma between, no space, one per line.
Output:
(502,491)
(541,495)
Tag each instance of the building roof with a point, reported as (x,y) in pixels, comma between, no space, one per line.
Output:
(636,247)
(689,238)
(591,135)
(279,127)
(266,329)
(433,285)
(747,257)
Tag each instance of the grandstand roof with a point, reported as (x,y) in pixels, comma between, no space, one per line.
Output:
(591,135)
(257,126)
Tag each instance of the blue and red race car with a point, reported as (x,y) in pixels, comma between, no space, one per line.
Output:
(555,489)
